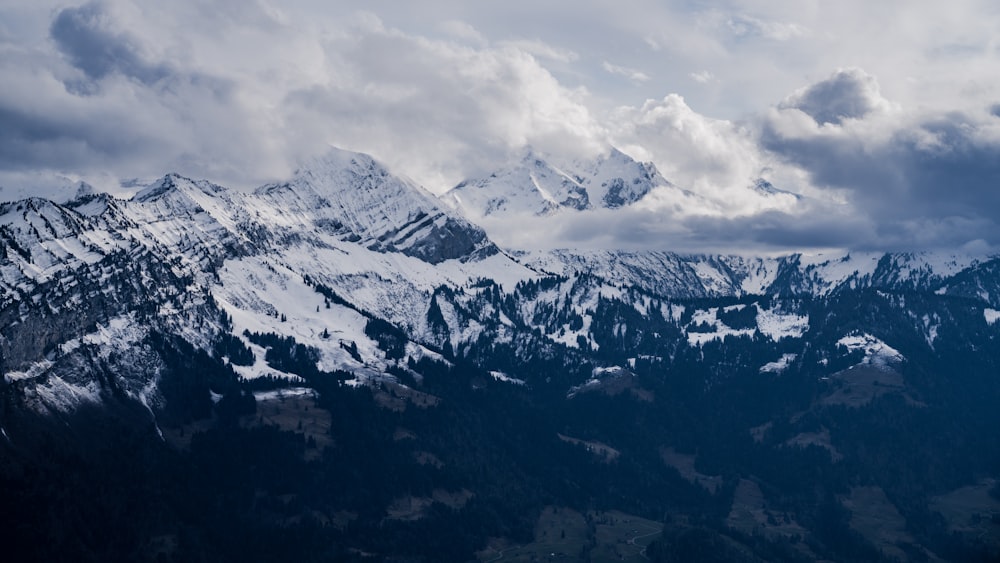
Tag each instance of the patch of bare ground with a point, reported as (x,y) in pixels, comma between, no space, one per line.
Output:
(295,413)
(875,517)
(396,397)
(599,449)
(621,537)
(409,508)
(859,385)
(685,465)
(560,533)
(401,434)
(751,514)
(427,458)
(565,534)
(643,395)
(972,511)
(341,519)
(821,439)
(758,433)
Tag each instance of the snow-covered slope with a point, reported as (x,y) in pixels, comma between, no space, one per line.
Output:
(702,275)
(663,273)
(823,273)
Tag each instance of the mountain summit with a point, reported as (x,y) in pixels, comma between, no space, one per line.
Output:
(534,185)
(357,196)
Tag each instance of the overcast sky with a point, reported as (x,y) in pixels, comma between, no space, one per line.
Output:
(883,115)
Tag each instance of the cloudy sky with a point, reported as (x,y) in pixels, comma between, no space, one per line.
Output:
(883,116)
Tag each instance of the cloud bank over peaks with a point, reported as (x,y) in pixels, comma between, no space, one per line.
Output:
(240,92)
(614,202)
(714,158)
(438,109)
(844,166)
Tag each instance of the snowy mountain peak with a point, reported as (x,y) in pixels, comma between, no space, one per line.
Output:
(335,165)
(355,196)
(157,189)
(532,186)
(767,189)
(174,185)
(536,185)
(617,180)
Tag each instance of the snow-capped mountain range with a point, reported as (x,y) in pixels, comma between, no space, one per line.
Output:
(83,284)
(342,360)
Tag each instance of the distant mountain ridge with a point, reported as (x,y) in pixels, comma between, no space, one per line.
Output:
(380,242)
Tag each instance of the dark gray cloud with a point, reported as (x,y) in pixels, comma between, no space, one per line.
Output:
(97,101)
(87,36)
(848,94)
(770,230)
(919,180)
(877,177)
(937,167)
(949,165)
(31,141)
(818,227)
